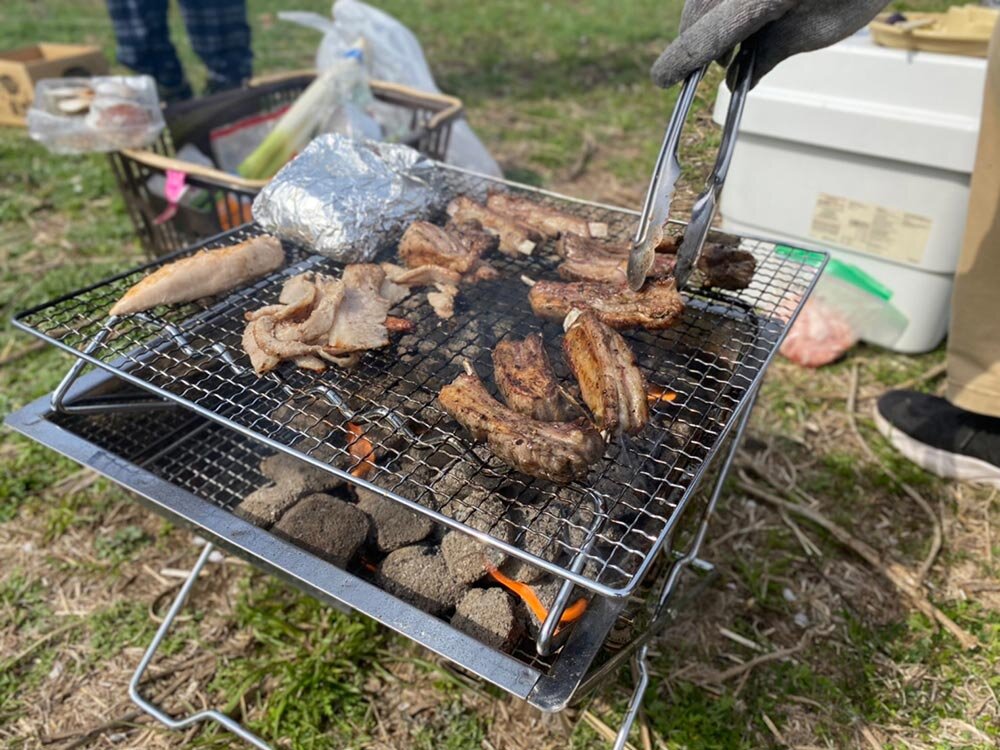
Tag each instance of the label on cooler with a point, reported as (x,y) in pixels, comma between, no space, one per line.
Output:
(870,228)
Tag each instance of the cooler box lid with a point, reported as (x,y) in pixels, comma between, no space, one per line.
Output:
(856,96)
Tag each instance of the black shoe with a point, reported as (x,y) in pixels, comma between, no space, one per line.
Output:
(218,85)
(941,438)
(173,94)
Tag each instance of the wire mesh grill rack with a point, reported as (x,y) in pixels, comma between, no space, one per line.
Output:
(602,533)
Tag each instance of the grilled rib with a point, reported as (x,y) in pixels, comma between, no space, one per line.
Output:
(516,238)
(457,247)
(656,306)
(610,381)
(557,451)
(588,259)
(526,381)
(549,221)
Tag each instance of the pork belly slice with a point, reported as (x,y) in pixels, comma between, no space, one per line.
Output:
(516,237)
(557,451)
(321,317)
(654,307)
(611,383)
(588,259)
(549,221)
(360,322)
(457,247)
(203,274)
(525,379)
(427,275)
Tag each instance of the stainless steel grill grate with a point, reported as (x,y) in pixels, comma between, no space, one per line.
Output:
(602,534)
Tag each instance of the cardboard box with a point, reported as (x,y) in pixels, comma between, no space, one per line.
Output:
(20,68)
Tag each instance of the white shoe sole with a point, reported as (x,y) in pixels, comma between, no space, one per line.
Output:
(937,461)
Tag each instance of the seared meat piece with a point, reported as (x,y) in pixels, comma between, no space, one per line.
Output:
(557,451)
(526,381)
(726,267)
(442,301)
(320,317)
(587,259)
(516,238)
(656,306)
(360,321)
(203,274)
(457,247)
(421,275)
(610,380)
(549,221)
(472,235)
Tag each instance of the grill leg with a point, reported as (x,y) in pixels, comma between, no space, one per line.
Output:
(690,558)
(641,669)
(155,711)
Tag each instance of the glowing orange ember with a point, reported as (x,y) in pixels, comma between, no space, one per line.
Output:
(362,449)
(529,597)
(655,394)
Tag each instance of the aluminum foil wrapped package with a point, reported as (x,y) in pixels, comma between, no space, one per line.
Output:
(347,199)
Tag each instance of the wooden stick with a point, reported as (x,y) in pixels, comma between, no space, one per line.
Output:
(899,576)
(936,533)
(781,653)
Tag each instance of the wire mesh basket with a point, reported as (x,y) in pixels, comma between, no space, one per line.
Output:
(224,199)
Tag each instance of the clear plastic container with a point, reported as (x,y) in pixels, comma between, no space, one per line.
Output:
(106,113)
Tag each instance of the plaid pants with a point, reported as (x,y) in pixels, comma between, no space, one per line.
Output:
(217,28)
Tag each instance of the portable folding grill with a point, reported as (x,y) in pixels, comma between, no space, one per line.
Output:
(176,414)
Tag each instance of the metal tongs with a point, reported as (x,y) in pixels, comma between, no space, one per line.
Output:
(656,209)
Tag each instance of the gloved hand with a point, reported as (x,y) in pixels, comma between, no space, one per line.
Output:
(711,30)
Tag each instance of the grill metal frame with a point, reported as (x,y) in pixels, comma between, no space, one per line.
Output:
(157,353)
(168,474)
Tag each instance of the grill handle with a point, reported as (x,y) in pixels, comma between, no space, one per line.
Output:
(158,713)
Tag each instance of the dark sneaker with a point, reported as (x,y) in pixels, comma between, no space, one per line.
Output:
(218,85)
(173,94)
(941,438)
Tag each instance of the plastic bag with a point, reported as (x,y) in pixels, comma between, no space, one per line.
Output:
(396,57)
(105,113)
(846,306)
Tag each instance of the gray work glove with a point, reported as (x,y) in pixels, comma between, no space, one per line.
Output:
(712,29)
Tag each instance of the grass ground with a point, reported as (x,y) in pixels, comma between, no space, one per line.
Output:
(559,91)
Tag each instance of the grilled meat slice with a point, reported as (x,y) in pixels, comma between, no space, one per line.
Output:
(656,306)
(549,221)
(516,238)
(203,274)
(588,259)
(426,244)
(442,301)
(611,382)
(420,275)
(557,451)
(473,236)
(526,381)
(360,321)
(320,317)
(726,266)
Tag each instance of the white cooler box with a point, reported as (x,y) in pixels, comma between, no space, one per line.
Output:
(867,152)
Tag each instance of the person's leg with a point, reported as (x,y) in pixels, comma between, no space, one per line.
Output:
(220,36)
(960,436)
(142,37)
